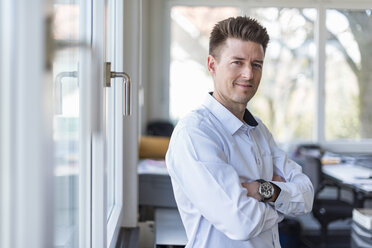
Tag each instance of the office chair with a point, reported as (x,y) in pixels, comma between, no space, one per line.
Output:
(327,210)
(160,128)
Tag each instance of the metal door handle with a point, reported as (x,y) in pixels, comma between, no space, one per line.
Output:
(126,86)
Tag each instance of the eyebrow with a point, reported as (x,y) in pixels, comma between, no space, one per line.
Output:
(240,58)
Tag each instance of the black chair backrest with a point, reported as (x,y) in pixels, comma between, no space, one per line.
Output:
(160,128)
(309,155)
(313,169)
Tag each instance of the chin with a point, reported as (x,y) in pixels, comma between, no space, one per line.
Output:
(244,96)
(242,100)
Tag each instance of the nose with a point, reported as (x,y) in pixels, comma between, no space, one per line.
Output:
(247,72)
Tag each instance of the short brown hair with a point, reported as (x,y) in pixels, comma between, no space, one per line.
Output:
(241,27)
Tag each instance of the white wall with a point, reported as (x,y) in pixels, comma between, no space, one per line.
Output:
(155,57)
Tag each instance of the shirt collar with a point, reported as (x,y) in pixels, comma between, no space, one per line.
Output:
(228,120)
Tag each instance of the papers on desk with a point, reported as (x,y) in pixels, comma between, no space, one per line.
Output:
(331,158)
(363,216)
(366,187)
(151,166)
(358,159)
(351,174)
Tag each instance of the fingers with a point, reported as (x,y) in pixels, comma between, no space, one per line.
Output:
(252,188)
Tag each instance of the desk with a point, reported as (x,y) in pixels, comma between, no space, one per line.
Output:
(357,178)
(155,190)
(168,228)
(155,187)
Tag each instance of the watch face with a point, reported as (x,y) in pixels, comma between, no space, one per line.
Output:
(266,190)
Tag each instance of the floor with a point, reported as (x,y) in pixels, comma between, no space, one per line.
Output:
(339,234)
(146,234)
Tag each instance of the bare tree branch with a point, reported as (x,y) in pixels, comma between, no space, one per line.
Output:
(342,49)
(339,46)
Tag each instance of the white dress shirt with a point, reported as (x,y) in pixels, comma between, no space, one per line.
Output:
(211,153)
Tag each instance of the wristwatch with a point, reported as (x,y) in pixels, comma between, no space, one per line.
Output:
(266,190)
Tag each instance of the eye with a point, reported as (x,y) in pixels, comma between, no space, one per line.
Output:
(257,66)
(237,62)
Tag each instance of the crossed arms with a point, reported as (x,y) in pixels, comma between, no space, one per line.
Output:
(200,168)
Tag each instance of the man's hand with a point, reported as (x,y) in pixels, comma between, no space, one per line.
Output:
(252,188)
(278,178)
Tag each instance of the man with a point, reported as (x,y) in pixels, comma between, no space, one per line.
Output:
(231,182)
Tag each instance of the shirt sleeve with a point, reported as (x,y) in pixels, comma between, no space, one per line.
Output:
(297,193)
(197,163)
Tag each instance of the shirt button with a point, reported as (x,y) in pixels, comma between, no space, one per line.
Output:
(280,205)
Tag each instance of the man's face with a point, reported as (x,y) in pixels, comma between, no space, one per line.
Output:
(236,72)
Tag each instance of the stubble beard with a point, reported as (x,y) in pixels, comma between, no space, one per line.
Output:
(243,97)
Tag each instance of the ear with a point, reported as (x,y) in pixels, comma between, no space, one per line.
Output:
(211,63)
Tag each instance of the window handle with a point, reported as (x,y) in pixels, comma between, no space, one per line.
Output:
(126,86)
(92,97)
(58,89)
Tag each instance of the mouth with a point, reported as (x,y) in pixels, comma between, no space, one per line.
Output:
(244,85)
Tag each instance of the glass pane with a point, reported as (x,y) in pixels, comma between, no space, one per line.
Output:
(285,99)
(348,74)
(110,146)
(66,126)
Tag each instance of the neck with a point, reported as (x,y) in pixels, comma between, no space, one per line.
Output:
(235,108)
(239,113)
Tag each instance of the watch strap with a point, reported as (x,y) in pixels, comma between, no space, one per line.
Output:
(261,181)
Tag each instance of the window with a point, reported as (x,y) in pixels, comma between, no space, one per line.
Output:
(348,74)
(26,146)
(53,169)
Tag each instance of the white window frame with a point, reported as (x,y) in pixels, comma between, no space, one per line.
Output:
(88,115)
(127,52)
(114,221)
(158,104)
(319,130)
(132,65)
(98,224)
(26,146)
(26,127)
